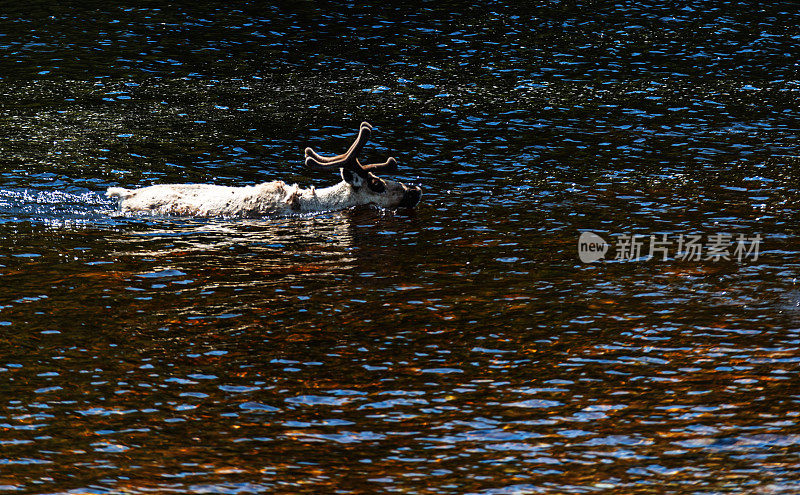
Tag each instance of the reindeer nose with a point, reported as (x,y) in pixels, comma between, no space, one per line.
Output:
(410,197)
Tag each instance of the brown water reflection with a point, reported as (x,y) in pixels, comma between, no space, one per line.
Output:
(314,353)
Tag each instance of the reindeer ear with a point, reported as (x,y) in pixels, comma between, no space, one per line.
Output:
(351,178)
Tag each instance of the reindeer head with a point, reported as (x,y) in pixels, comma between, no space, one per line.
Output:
(364,184)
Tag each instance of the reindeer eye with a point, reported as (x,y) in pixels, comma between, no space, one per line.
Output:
(377,185)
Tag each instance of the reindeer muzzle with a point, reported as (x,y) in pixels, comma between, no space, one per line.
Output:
(411,197)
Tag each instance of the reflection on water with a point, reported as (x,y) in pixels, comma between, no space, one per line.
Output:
(54,207)
(458,348)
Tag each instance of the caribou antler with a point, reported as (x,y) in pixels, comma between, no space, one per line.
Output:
(365,128)
(349,160)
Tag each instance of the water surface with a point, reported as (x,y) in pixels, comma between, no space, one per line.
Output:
(458,348)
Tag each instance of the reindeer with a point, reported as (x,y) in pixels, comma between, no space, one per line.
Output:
(359,186)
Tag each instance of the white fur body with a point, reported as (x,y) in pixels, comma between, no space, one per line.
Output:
(267,199)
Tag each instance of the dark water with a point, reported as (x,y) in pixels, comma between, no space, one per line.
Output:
(459,348)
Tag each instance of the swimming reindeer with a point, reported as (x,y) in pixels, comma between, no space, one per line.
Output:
(359,186)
